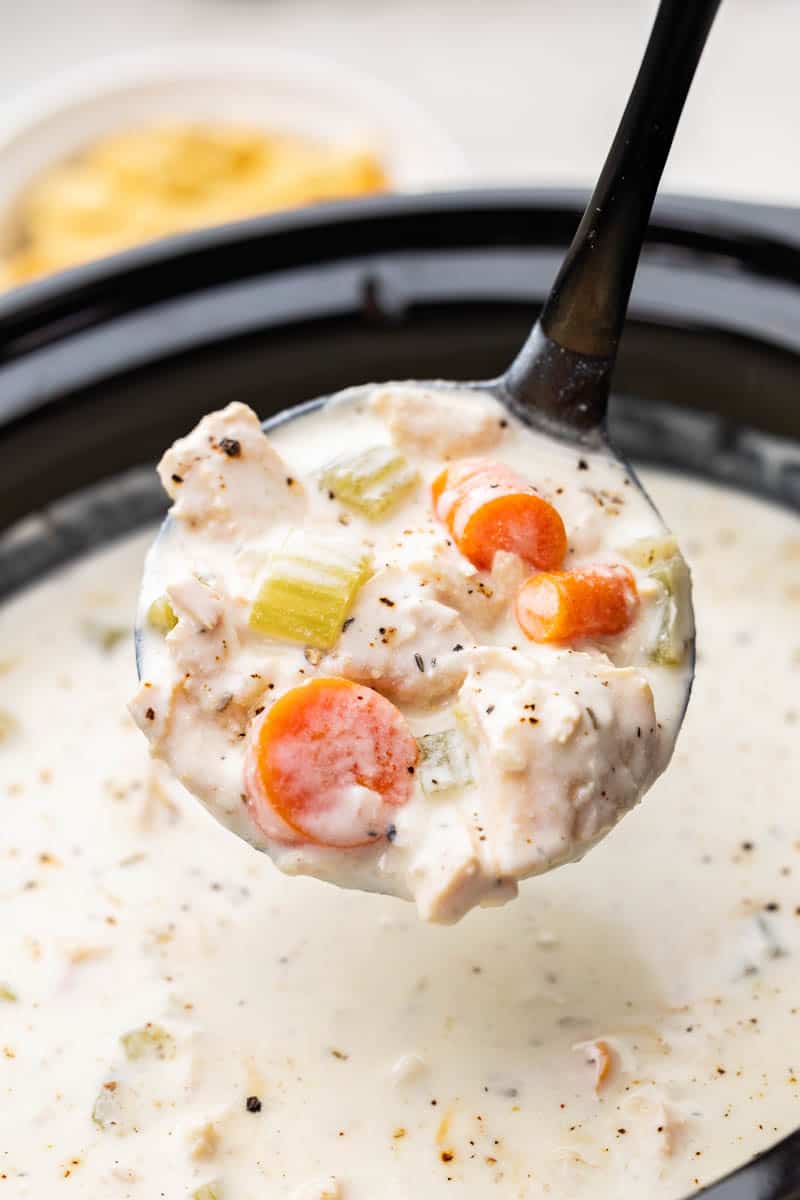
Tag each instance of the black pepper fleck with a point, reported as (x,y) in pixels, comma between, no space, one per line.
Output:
(177,479)
(582,464)
(253,1104)
(150,714)
(420,662)
(231,447)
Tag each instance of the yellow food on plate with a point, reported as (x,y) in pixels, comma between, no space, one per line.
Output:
(152,181)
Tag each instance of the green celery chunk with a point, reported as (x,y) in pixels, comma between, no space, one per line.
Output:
(443,761)
(372,482)
(207,1191)
(107,1109)
(8,725)
(151,1041)
(308,591)
(663,561)
(104,634)
(161,616)
(669,648)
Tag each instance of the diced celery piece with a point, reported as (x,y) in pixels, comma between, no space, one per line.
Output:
(207,1191)
(308,591)
(107,1110)
(669,648)
(7,994)
(161,616)
(443,761)
(646,552)
(104,634)
(151,1041)
(8,725)
(663,561)
(372,482)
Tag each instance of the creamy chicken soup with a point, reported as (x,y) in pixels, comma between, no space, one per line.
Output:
(179,1019)
(406,644)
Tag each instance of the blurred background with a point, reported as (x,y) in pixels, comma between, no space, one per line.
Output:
(122,120)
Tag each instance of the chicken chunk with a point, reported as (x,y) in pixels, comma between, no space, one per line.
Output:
(444,424)
(226,477)
(402,642)
(566,744)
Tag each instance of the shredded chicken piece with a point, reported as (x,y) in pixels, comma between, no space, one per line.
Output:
(446,424)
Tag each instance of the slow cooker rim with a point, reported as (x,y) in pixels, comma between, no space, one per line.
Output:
(762,239)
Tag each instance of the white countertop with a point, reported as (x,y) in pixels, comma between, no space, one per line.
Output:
(530,88)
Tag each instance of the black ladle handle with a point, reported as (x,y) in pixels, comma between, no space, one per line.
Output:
(562,375)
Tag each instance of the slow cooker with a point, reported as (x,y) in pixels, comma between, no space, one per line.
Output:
(103,366)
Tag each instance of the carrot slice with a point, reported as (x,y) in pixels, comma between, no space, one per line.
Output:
(560,606)
(489,507)
(328,764)
(451,485)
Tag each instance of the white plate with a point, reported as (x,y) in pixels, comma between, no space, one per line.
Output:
(279,90)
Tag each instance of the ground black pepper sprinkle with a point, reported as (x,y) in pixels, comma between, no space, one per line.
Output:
(150,714)
(582,464)
(231,447)
(457,646)
(385,600)
(420,662)
(346,624)
(177,479)
(391,833)
(253,1104)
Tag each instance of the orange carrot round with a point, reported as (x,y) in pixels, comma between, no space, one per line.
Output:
(451,485)
(328,763)
(561,606)
(489,507)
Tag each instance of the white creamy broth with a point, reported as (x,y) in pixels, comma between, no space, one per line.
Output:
(392,1058)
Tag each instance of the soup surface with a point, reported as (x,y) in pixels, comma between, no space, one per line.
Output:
(179,1019)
